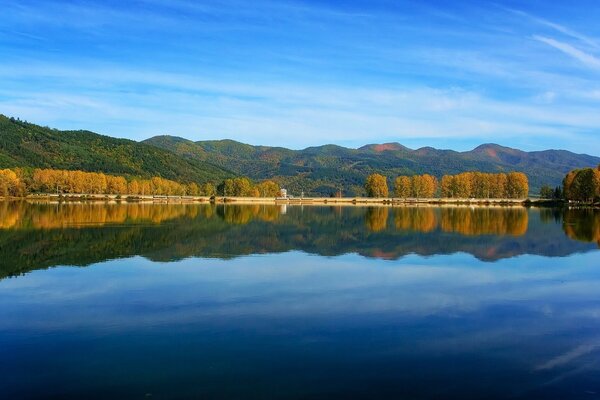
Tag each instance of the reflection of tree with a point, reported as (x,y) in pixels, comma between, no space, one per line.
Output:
(466,221)
(376,218)
(549,215)
(76,215)
(582,225)
(484,221)
(42,235)
(417,219)
(244,213)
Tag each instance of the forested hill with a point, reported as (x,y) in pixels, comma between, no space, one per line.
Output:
(315,170)
(24,144)
(325,169)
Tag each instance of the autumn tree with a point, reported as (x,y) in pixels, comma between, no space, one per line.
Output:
(268,188)
(209,189)
(402,187)
(517,185)
(423,186)
(485,185)
(10,184)
(582,185)
(376,186)
(242,187)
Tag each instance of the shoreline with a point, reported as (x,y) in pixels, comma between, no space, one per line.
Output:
(349,201)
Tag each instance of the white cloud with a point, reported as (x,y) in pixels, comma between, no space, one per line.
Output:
(583,57)
(274,113)
(559,28)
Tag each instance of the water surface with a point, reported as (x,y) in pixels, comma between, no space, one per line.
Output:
(200,301)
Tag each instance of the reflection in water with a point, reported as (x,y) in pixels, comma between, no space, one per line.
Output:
(42,234)
(72,215)
(463,220)
(484,221)
(418,219)
(289,324)
(376,218)
(245,213)
(583,224)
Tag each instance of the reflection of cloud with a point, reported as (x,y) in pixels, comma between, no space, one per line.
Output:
(569,356)
(131,292)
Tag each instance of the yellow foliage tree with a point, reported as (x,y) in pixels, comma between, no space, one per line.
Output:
(376,186)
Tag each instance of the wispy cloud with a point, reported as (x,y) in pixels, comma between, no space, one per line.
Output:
(585,58)
(292,73)
(559,28)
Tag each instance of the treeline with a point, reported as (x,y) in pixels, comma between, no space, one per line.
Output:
(513,185)
(243,187)
(582,185)
(478,185)
(20,182)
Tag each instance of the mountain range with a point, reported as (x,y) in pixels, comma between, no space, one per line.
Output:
(318,170)
(326,169)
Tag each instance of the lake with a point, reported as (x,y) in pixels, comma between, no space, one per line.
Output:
(179,301)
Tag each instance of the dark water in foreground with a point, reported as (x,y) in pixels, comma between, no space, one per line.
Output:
(255,302)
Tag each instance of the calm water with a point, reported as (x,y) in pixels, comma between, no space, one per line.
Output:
(254,302)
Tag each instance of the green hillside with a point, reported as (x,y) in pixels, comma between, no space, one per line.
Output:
(23,144)
(325,169)
(318,170)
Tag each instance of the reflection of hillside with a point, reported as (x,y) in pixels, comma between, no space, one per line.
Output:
(39,236)
(582,225)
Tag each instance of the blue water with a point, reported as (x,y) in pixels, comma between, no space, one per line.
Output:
(297,325)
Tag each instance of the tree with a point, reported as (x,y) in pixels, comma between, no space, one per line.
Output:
(498,186)
(402,187)
(228,187)
(582,185)
(193,189)
(428,186)
(10,184)
(517,186)
(461,185)
(133,187)
(268,188)
(209,189)
(558,193)
(546,192)
(242,187)
(376,186)
(448,186)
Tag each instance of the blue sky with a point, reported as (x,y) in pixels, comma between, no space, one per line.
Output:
(300,73)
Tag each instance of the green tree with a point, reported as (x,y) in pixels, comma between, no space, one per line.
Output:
(546,192)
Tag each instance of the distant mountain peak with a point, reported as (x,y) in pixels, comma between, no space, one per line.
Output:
(496,151)
(380,147)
